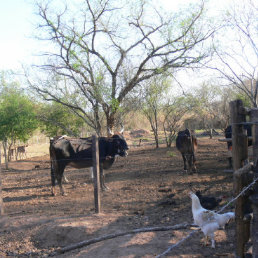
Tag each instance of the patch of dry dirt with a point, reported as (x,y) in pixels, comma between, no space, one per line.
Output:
(148,188)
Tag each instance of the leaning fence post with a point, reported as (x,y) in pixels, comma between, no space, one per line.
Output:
(254,197)
(95,157)
(239,154)
(1,197)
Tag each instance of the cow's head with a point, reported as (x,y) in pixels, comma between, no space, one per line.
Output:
(120,145)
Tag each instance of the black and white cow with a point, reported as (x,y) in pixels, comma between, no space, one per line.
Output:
(77,152)
(186,143)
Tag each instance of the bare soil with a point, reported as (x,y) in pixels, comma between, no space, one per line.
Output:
(147,189)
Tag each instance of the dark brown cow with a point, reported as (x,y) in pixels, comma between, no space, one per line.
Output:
(186,143)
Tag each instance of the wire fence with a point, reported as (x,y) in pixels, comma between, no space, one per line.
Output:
(196,230)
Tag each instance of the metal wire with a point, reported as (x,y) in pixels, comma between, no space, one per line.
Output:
(194,231)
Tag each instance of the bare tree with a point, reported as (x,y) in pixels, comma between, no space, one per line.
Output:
(238,58)
(174,111)
(154,94)
(104,50)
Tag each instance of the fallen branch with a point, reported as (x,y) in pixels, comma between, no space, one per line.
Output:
(110,236)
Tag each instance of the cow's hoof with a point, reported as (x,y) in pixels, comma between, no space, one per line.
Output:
(105,188)
(64,194)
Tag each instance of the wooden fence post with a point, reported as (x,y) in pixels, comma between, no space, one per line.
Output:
(239,154)
(95,157)
(254,197)
(1,197)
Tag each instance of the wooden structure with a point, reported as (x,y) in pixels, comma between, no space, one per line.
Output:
(244,174)
(95,156)
(1,197)
(254,196)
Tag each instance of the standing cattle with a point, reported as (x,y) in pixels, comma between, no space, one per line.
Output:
(228,135)
(186,143)
(21,152)
(77,152)
(11,153)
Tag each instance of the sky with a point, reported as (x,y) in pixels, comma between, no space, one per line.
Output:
(18,47)
(16,38)
(15,27)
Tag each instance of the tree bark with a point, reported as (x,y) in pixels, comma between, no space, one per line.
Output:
(1,197)
(240,154)
(254,197)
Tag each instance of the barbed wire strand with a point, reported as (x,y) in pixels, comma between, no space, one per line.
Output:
(194,231)
(177,244)
(240,194)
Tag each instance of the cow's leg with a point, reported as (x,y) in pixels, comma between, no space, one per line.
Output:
(53,179)
(91,174)
(59,171)
(230,164)
(59,178)
(190,163)
(102,179)
(194,169)
(184,160)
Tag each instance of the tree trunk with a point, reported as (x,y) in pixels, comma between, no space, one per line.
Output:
(156,140)
(156,130)
(110,123)
(98,128)
(5,153)
(210,132)
(240,154)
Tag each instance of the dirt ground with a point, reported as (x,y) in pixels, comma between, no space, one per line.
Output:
(147,189)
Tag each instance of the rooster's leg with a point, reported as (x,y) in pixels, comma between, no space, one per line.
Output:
(212,240)
(206,240)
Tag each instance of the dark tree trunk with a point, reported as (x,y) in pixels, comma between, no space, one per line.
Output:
(5,153)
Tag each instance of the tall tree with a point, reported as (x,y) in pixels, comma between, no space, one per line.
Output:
(103,49)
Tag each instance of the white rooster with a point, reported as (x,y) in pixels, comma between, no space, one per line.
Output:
(208,221)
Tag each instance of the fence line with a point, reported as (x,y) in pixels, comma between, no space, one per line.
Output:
(177,244)
(194,231)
